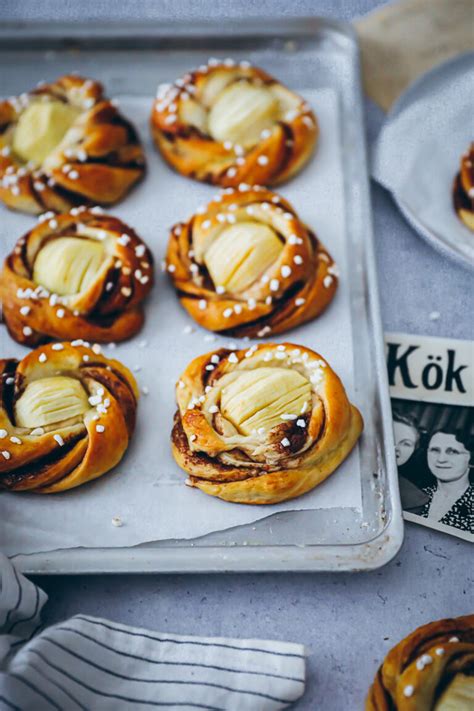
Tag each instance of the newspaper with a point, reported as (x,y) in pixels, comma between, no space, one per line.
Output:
(431,384)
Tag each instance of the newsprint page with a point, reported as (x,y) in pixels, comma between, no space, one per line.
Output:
(432,391)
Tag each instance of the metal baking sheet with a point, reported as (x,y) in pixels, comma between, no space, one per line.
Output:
(314,53)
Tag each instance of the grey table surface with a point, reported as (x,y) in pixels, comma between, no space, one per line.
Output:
(347,622)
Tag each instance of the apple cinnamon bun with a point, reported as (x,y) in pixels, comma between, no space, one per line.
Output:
(82,274)
(229,122)
(246,265)
(262,425)
(67,414)
(430,670)
(463,189)
(65,144)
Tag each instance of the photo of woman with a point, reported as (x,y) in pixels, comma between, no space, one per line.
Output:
(407,439)
(451,497)
(434,451)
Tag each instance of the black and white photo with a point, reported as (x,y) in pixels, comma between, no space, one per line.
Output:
(433,437)
(434,448)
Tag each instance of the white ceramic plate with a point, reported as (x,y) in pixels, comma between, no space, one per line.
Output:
(418,151)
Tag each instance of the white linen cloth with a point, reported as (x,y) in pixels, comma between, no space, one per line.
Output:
(91,663)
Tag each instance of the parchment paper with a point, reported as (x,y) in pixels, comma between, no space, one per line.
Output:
(147,488)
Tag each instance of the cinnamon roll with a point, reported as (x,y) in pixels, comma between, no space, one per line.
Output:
(83,274)
(65,144)
(229,122)
(67,414)
(246,265)
(262,425)
(430,670)
(463,189)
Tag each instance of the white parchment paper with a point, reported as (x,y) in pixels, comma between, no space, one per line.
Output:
(419,149)
(147,488)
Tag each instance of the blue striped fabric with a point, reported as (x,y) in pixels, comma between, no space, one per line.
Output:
(90,663)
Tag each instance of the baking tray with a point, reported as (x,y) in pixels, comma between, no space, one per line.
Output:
(326,53)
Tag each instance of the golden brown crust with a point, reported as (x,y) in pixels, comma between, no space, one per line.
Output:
(463,189)
(99,160)
(295,288)
(66,454)
(263,467)
(418,670)
(278,154)
(109,309)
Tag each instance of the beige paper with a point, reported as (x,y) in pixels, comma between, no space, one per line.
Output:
(405,39)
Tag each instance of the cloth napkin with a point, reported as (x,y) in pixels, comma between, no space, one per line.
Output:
(90,663)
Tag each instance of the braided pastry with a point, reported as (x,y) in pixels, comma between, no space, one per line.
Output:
(79,274)
(64,144)
(228,122)
(67,414)
(430,670)
(463,189)
(263,425)
(247,265)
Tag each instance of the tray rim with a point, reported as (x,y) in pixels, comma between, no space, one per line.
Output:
(348,557)
(217,559)
(53,31)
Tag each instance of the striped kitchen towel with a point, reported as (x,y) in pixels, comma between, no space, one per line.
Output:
(94,664)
